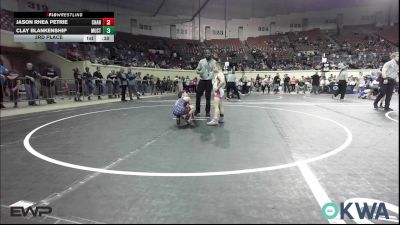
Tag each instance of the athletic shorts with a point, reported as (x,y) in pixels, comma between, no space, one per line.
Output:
(180,111)
(219,94)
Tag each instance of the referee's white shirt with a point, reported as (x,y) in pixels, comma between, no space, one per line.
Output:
(343,75)
(390,69)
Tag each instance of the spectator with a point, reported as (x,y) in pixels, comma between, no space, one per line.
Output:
(124,83)
(268,82)
(99,82)
(14,83)
(180,84)
(301,86)
(112,84)
(151,84)
(78,84)
(231,84)
(139,83)
(244,81)
(194,83)
(30,77)
(132,84)
(315,83)
(88,77)
(277,83)
(293,83)
(158,86)
(48,80)
(145,83)
(66,89)
(286,85)
(3,74)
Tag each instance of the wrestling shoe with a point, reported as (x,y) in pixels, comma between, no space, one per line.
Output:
(212,123)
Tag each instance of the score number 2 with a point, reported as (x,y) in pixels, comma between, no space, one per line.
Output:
(108,21)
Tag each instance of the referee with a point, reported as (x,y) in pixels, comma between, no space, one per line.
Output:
(390,71)
(205,70)
(342,82)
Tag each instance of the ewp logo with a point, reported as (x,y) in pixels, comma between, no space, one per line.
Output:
(35,211)
(360,210)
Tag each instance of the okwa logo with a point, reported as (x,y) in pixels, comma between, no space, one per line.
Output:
(361,210)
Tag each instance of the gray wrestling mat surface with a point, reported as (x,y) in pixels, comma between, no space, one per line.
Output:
(276,159)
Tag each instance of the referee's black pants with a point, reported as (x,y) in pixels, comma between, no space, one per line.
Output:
(342,85)
(204,85)
(386,89)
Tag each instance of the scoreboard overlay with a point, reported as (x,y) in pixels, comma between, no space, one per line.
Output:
(64,26)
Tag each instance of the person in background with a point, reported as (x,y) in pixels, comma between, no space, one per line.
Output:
(65,89)
(170,84)
(175,88)
(88,77)
(268,83)
(109,83)
(188,84)
(231,84)
(145,83)
(14,83)
(293,83)
(158,86)
(185,87)
(286,86)
(180,83)
(113,80)
(163,85)
(30,76)
(256,84)
(3,76)
(78,84)
(258,78)
(342,82)
(315,83)
(301,86)
(380,80)
(263,84)
(331,78)
(276,83)
(244,81)
(390,72)
(132,84)
(124,83)
(151,84)
(194,83)
(48,80)
(324,83)
(139,83)
(99,82)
